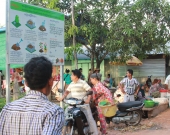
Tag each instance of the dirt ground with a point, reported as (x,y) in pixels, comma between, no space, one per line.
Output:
(159,125)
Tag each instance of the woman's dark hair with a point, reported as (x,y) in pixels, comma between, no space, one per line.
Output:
(130,71)
(155,81)
(38,72)
(67,70)
(77,73)
(149,82)
(108,75)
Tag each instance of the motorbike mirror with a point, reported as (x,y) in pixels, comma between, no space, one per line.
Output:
(89,93)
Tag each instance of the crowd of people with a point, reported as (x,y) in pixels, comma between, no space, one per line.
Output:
(40,116)
(132,90)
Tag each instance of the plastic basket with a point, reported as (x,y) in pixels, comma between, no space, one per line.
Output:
(108,110)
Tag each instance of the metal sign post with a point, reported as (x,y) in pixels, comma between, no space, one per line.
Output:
(62,84)
(7,55)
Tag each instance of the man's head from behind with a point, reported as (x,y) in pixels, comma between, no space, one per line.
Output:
(38,74)
(75,75)
(80,69)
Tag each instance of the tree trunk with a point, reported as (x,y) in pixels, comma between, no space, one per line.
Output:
(74,36)
(98,62)
(92,61)
(1,92)
(92,57)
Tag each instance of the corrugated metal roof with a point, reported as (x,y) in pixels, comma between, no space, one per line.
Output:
(152,67)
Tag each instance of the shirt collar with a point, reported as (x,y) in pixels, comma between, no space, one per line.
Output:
(77,81)
(36,94)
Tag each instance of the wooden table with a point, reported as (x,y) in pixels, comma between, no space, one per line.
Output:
(152,112)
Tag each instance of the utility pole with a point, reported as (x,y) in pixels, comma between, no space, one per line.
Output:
(74,36)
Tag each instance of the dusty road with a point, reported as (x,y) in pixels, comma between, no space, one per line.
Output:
(159,125)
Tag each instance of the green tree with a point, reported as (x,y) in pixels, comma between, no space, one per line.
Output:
(141,27)
(115,27)
(122,28)
(92,25)
(51,4)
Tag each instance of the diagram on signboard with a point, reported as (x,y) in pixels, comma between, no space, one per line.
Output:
(42,27)
(43,47)
(16,46)
(30,48)
(30,24)
(16,22)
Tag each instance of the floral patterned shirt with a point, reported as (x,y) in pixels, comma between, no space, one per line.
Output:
(56,77)
(154,88)
(100,89)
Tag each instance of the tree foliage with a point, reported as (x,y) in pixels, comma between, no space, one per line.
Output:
(141,27)
(115,28)
(51,4)
(92,26)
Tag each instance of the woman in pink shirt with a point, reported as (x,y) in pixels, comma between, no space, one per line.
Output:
(100,92)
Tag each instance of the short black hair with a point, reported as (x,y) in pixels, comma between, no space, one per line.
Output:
(80,68)
(67,70)
(108,75)
(37,72)
(77,73)
(130,71)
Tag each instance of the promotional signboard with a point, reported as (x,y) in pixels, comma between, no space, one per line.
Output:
(34,31)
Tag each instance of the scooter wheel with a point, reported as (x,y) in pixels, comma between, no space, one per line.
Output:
(136,118)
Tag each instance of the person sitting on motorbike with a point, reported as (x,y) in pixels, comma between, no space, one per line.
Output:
(78,89)
(100,92)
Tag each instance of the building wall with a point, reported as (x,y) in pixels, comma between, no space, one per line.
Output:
(86,65)
(154,67)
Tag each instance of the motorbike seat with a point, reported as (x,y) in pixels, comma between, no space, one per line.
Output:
(127,105)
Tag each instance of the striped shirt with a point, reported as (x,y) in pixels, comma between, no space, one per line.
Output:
(32,115)
(78,89)
(129,85)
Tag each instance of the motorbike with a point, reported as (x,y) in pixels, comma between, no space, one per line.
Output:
(75,119)
(129,113)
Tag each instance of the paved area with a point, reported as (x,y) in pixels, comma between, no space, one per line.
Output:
(159,125)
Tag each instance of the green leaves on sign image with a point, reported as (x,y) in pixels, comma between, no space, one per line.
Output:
(17,19)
